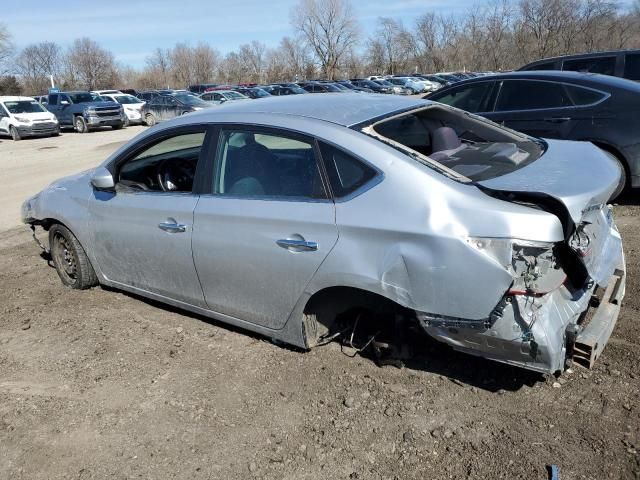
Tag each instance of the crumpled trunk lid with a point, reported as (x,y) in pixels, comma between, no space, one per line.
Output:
(577,175)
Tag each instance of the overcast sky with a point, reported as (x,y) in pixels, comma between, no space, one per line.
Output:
(132,29)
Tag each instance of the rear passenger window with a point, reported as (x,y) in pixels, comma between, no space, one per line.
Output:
(346,173)
(632,66)
(53,99)
(583,96)
(257,164)
(531,95)
(603,65)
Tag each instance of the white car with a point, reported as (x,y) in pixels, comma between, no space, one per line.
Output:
(25,117)
(132,106)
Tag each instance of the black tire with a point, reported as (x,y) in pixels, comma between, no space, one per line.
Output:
(69,258)
(126,121)
(80,125)
(150,119)
(15,134)
(117,127)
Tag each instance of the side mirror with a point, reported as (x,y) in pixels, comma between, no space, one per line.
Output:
(222,100)
(64,102)
(102,179)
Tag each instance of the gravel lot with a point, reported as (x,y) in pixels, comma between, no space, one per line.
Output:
(100,384)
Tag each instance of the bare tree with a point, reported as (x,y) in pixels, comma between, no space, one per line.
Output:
(299,63)
(158,71)
(6,50)
(89,66)
(36,63)
(182,65)
(205,63)
(329,28)
(252,56)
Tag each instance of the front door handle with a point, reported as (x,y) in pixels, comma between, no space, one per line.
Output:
(297,245)
(172,227)
(557,119)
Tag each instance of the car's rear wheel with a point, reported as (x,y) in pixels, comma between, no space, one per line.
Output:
(150,119)
(69,258)
(15,134)
(80,125)
(117,127)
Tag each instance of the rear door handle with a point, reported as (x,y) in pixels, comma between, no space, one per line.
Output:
(557,119)
(297,245)
(172,227)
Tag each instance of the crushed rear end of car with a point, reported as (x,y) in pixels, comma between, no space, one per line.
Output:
(564,295)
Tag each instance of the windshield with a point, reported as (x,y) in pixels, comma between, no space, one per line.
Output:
(461,145)
(369,84)
(331,87)
(384,83)
(24,106)
(85,97)
(190,100)
(127,99)
(296,89)
(234,95)
(259,93)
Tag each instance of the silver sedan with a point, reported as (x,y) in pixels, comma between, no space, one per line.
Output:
(279,215)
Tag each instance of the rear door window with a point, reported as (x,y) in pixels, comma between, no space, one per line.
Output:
(53,99)
(255,163)
(603,65)
(632,66)
(531,95)
(472,98)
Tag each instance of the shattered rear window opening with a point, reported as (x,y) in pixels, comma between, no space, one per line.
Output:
(460,145)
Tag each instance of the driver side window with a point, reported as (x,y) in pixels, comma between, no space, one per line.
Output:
(168,165)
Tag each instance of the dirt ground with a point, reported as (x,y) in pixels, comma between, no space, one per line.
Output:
(104,385)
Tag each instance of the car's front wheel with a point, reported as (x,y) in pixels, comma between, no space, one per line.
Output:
(69,258)
(15,134)
(80,124)
(150,119)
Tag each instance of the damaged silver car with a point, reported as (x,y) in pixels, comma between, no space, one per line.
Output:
(279,215)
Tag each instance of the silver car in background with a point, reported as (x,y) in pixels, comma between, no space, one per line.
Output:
(278,215)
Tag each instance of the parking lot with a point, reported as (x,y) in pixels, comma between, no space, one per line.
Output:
(100,384)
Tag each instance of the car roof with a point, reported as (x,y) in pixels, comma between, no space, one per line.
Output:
(329,107)
(582,55)
(14,98)
(587,79)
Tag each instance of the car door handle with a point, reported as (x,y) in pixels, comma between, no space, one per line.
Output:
(172,227)
(297,245)
(557,119)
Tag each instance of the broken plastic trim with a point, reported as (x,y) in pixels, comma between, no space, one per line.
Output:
(435,320)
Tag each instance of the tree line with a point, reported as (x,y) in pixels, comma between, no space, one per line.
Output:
(327,41)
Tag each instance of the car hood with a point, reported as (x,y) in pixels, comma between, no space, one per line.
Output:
(100,104)
(37,116)
(577,174)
